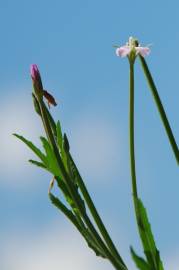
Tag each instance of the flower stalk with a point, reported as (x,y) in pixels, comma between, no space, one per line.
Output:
(160,108)
(131,131)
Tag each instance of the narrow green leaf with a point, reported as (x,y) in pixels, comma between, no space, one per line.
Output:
(52,122)
(82,229)
(33,148)
(150,249)
(59,136)
(139,261)
(51,158)
(36,104)
(63,145)
(62,207)
(66,145)
(37,163)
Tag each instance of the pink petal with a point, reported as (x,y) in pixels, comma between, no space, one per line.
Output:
(123,51)
(143,51)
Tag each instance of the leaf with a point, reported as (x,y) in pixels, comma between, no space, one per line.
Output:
(51,120)
(51,158)
(139,261)
(61,206)
(59,136)
(66,145)
(63,145)
(37,163)
(150,249)
(36,104)
(33,148)
(81,228)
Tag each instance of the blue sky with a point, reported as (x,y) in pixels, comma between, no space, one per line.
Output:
(71,42)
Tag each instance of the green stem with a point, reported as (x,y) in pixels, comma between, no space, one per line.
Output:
(132,155)
(76,222)
(91,206)
(72,191)
(160,108)
(131,138)
(96,216)
(65,211)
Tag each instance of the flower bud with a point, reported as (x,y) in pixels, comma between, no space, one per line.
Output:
(37,82)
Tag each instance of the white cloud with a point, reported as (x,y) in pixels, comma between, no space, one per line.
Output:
(172,262)
(54,248)
(96,146)
(16,116)
(94,141)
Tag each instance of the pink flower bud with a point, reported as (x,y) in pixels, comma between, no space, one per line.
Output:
(34,72)
(36,79)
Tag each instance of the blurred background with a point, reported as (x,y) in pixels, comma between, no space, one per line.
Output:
(72,43)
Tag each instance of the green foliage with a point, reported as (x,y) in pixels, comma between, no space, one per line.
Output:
(78,224)
(38,164)
(51,159)
(59,136)
(48,161)
(37,151)
(66,145)
(36,104)
(140,262)
(62,145)
(150,249)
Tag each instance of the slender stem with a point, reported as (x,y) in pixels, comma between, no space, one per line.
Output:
(96,216)
(131,130)
(160,108)
(132,150)
(72,191)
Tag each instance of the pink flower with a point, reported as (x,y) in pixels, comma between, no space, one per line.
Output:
(143,51)
(132,47)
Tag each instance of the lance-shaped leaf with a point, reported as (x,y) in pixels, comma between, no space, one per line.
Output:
(80,226)
(36,150)
(59,135)
(38,164)
(150,249)
(139,261)
(51,158)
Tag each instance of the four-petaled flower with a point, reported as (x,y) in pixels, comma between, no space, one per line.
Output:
(132,48)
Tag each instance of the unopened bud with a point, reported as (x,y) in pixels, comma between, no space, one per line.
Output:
(36,79)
